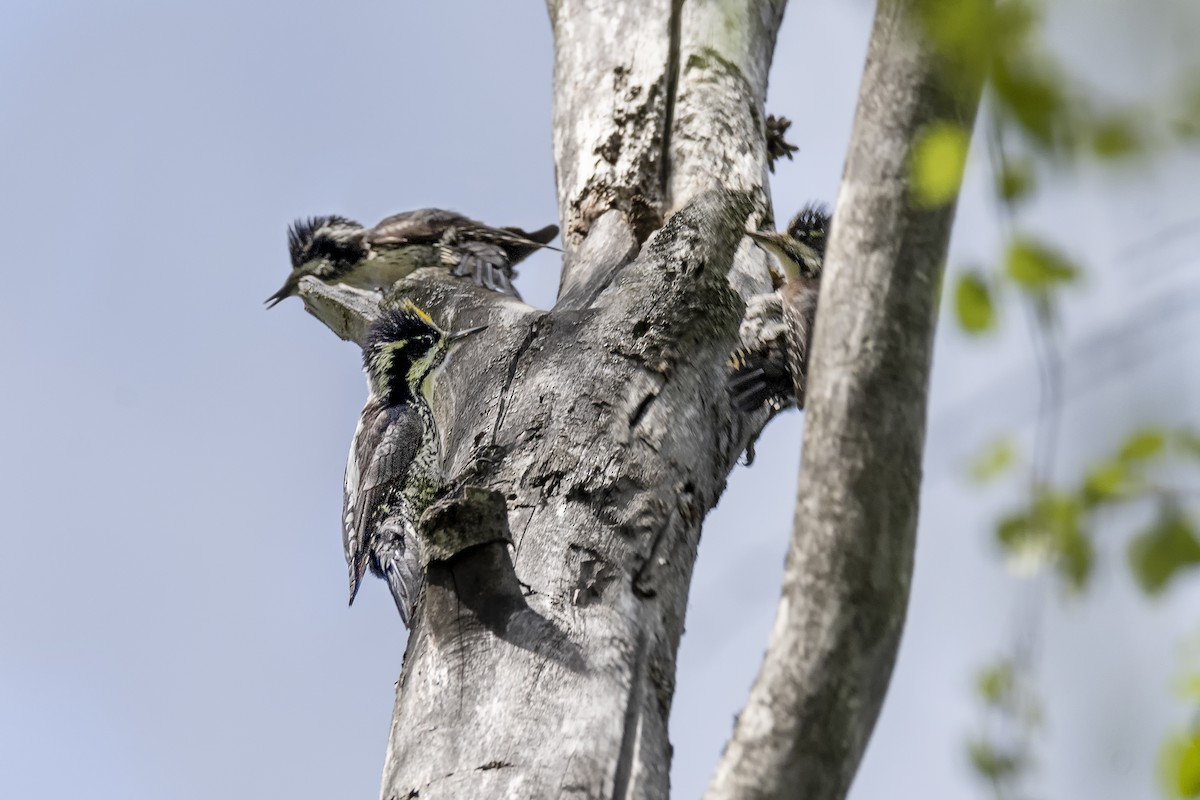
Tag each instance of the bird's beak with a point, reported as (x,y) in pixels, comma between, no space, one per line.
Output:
(764,237)
(458,337)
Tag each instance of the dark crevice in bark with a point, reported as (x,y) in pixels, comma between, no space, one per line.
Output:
(632,729)
(675,33)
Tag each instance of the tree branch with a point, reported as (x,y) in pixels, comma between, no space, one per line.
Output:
(611,68)
(725,53)
(827,667)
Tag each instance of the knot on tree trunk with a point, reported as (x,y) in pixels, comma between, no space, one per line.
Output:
(467,518)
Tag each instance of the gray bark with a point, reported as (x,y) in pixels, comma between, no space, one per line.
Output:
(846,584)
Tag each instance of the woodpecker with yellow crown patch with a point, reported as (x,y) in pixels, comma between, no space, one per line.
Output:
(394,470)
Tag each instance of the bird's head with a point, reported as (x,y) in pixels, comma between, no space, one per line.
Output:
(800,250)
(403,348)
(811,226)
(323,247)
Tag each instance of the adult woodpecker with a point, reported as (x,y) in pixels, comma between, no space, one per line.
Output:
(774,372)
(394,469)
(340,250)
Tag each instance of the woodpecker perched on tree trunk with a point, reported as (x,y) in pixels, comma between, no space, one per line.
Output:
(774,372)
(339,250)
(394,469)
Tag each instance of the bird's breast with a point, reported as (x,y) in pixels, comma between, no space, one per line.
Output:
(384,266)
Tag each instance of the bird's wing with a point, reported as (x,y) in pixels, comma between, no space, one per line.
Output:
(761,376)
(384,446)
(423,226)
(487,263)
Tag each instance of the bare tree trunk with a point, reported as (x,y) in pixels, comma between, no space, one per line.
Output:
(846,584)
(542,661)
(590,441)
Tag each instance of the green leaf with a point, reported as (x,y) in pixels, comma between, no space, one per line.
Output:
(973,302)
(991,763)
(995,683)
(997,457)
(1059,515)
(1077,558)
(1023,541)
(1187,776)
(1034,97)
(1143,444)
(1036,266)
(1179,765)
(1015,181)
(1168,546)
(1104,482)
(1051,531)
(939,159)
(1116,137)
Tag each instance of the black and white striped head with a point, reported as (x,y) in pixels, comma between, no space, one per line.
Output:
(403,348)
(321,242)
(811,227)
(324,247)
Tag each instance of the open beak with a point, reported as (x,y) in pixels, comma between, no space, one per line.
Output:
(457,337)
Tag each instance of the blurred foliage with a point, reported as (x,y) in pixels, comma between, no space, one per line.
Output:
(1179,758)
(1004,757)
(1043,120)
(973,303)
(938,162)
(1160,552)
(1057,526)
(1179,766)
(996,459)
(1037,266)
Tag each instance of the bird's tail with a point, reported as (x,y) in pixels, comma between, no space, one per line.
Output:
(533,240)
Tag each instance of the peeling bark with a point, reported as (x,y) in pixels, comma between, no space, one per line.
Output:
(846,584)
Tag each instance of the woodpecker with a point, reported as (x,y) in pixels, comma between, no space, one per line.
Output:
(394,469)
(340,250)
(774,371)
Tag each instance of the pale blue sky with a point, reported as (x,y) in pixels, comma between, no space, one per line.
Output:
(172,591)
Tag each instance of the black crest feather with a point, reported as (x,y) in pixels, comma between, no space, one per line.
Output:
(397,324)
(811,226)
(302,235)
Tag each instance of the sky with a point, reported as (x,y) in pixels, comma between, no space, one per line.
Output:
(172,589)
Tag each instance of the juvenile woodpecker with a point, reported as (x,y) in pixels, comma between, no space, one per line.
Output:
(339,250)
(774,372)
(394,469)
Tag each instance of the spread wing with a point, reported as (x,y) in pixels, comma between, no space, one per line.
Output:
(423,226)
(384,446)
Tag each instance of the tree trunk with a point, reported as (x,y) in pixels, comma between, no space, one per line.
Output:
(587,443)
(846,583)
